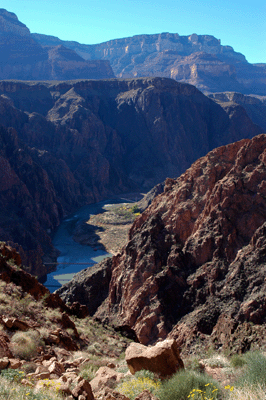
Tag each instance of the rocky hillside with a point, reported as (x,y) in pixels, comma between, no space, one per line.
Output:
(21,57)
(200,60)
(53,351)
(194,265)
(67,144)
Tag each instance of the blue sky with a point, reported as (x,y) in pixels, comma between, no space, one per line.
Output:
(238,23)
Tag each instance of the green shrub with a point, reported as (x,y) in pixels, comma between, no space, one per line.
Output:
(237,361)
(142,380)
(188,383)
(24,344)
(88,371)
(192,363)
(13,375)
(254,371)
(15,391)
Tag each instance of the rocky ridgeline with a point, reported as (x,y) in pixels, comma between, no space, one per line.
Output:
(23,58)
(72,143)
(200,60)
(9,23)
(193,267)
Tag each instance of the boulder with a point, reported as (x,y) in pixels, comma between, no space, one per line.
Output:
(14,363)
(105,377)
(4,363)
(4,345)
(15,323)
(146,395)
(83,388)
(162,359)
(56,368)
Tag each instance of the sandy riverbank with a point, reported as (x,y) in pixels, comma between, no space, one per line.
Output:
(109,229)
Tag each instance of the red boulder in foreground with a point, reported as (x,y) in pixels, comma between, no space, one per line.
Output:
(162,359)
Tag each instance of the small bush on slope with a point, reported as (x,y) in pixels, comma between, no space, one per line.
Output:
(14,391)
(254,373)
(25,344)
(133,386)
(180,386)
(238,361)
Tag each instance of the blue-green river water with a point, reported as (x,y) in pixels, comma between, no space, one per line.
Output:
(73,256)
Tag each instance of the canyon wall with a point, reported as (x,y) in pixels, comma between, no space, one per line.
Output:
(72,143)
(200,60)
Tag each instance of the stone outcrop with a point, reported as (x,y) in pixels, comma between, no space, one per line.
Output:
(162,359)
(64,145)
(200,60)
(23,58)
(105,377)
(196,255)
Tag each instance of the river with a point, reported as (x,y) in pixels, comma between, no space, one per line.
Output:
(73,256)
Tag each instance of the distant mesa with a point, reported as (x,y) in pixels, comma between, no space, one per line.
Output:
(200,60)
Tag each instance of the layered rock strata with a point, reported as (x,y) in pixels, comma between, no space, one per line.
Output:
(194,265)
(200,60)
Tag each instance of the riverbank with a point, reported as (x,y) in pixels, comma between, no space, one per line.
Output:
(109,229)
(82,245)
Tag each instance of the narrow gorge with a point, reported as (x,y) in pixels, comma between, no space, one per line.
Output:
(67,144)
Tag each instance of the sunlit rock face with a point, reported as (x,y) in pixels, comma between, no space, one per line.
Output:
(200,60)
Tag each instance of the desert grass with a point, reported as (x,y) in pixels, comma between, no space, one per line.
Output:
(12,390)
(88,371)
(25,344)
(247,393)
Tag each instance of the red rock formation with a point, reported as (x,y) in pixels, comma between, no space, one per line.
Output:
(197,254)
(162,359)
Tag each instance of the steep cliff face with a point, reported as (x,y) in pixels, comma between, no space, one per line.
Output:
(72,143)
(23,58)
(200,60)
(194,264)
